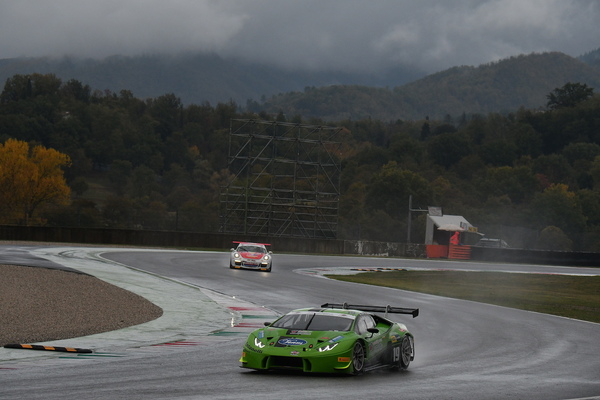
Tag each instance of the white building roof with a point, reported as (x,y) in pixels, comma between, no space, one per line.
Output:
(450,220)
(446,223)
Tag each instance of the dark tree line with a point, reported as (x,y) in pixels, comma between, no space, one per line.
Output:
(527,176)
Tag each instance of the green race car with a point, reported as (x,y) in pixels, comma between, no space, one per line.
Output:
(335,338)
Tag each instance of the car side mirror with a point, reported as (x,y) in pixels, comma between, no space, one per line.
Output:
(266,323)
(231,249)
(372,331)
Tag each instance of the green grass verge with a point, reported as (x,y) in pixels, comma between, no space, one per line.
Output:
(568,296)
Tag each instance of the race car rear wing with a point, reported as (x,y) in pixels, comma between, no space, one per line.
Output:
(386,309)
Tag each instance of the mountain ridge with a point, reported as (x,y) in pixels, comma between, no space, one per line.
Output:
(502,86)
(404,93)
(195,78)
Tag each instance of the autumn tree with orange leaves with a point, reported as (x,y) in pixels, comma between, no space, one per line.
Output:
(30,179)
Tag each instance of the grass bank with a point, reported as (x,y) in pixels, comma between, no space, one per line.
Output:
(568,296)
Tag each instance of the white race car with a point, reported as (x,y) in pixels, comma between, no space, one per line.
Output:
(251,256)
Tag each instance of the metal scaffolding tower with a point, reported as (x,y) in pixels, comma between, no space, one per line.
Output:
(285,180)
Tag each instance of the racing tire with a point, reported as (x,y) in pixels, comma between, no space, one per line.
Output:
(269,269)
(406,353)
(231,266)
(358,358)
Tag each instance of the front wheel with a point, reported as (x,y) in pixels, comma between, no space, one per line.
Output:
(358,358)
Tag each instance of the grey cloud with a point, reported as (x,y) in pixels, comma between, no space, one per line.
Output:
(351,35)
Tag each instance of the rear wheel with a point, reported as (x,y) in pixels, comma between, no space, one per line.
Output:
(358,358)
(405,353)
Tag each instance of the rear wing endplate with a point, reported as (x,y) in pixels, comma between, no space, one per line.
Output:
(381,309)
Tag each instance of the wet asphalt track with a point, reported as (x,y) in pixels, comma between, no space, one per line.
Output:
(464,350)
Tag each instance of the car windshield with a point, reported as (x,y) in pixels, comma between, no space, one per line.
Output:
(314,322)
(251,249)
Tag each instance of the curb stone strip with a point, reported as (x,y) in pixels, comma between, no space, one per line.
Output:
(47,348)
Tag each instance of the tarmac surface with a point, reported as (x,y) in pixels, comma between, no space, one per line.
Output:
(193,350)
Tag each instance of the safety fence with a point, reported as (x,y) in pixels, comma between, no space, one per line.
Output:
(216,241)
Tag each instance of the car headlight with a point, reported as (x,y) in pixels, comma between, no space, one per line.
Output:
(258,343)
(267,257)
(329,347)
(236,255)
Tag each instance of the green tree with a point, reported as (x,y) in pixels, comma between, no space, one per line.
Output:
(154,216)
(554,167)
(569,95)
(119,212)
(553,238)
(383,227)
(406,150)
(578,152)
(519,183)
(557,206)
(352,211)
(80,212)
(527,141)
(501,152)
(595,173)
(144,182)
(448,148)
(198,215)
(167,111)
(425,130)
(391,186)
(75,89)
(23,87)
(120,175)
(590,205)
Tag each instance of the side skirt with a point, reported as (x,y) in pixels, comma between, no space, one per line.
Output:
(374,367)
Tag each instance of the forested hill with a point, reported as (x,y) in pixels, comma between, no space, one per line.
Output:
(592,58)
(193,78)
(507,85)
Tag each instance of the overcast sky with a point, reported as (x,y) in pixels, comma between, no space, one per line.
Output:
(352,35)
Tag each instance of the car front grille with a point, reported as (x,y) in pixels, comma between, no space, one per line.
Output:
(286,362)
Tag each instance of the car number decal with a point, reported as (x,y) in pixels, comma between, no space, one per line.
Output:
(396,355)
